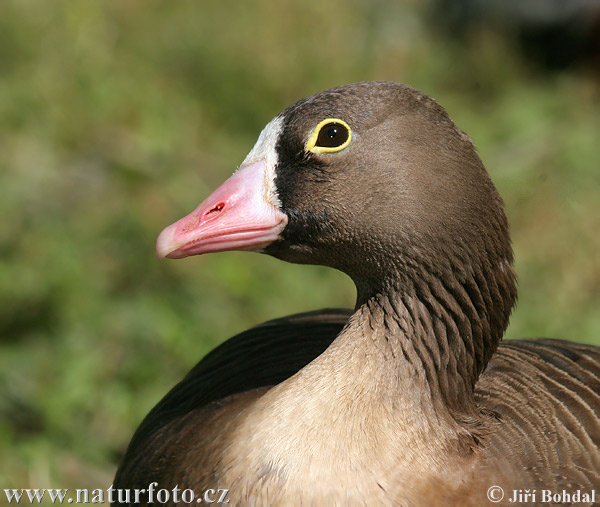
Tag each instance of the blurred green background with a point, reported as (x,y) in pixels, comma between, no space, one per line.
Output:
(116,118)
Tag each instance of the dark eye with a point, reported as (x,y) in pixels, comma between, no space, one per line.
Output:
(329,136)
(332,135)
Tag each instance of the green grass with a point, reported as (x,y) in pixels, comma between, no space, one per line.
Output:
(116,118)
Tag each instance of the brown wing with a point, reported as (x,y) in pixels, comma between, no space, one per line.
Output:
(547,393)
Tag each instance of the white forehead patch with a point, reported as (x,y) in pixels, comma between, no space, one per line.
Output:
(264,149)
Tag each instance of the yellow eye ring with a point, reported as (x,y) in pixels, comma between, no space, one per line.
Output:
(327,134)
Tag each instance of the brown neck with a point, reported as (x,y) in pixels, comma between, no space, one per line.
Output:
(436,332)
(441,321)
(393,392)
(376,399)
(423,359)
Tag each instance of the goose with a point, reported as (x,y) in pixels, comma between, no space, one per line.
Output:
(409,398)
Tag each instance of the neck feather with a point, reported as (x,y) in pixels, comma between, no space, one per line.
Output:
(442,329)
(395,388)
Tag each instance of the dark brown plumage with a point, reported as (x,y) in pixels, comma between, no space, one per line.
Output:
(408,400)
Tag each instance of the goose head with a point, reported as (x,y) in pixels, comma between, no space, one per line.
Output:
(375,180)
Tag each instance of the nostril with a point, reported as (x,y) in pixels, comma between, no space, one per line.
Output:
(216,208)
